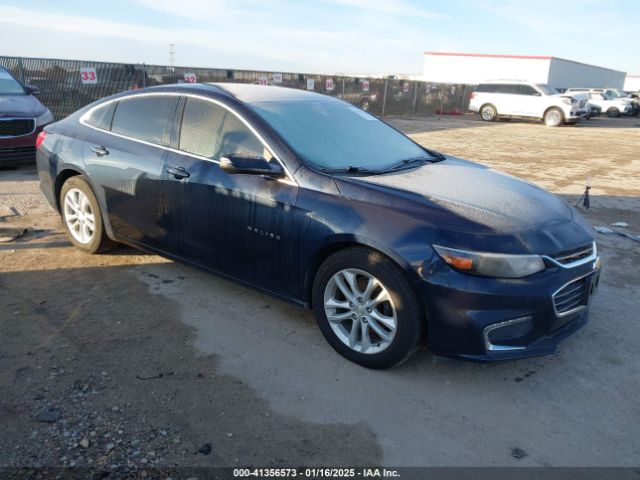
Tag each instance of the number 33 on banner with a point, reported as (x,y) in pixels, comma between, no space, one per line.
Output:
(88,75)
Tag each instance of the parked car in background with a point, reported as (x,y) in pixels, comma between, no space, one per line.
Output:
(314,200)
(22,118)
(610,100)
(591,110)
(509,99)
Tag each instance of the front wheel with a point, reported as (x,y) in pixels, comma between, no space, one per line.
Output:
(613,112)
(553,117)
(367,309)
(81,216)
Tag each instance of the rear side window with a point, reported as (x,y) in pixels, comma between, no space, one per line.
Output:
(201,127)
(145,118)
(101,116)
(487,88)
(507,88)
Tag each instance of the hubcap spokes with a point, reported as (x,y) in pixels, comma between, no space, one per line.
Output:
(79,216)
(360,311)
(553,118)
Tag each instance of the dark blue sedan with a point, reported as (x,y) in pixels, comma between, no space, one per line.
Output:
(322,204)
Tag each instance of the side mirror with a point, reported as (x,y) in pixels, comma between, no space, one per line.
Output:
(31,90)
(239,163)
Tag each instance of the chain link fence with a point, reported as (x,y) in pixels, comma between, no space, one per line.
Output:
(67,85)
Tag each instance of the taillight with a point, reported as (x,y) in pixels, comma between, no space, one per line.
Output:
(41,136)
(473,95)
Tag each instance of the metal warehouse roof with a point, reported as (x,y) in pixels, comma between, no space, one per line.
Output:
(518,57)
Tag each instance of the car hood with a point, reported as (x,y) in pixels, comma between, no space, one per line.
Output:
(20,106)
(472,198)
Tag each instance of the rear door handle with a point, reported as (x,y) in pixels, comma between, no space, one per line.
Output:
(100,151)
(178,172)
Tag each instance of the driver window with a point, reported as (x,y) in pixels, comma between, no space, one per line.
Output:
(236,137)
(201,126)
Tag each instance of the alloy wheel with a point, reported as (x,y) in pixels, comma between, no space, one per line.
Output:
(79,216)
(488,113)
(553,118)
(360,311)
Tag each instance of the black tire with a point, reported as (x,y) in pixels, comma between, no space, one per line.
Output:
(411,325)
(99,241)
(554,117)
(488,112)
(613,112)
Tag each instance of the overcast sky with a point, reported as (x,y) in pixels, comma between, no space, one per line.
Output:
(323,36)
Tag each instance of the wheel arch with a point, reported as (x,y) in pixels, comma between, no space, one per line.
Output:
(61,178)
(343,242)
(552,107)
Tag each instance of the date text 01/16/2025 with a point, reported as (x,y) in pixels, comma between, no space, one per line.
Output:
(315,473)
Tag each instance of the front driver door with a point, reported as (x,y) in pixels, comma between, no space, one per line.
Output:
(239,225)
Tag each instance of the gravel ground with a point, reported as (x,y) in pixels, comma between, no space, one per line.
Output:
(130,362)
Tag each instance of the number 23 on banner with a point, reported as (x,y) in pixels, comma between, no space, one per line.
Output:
(88,75)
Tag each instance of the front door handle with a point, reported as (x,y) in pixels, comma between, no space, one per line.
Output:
(100,151)
(178,172)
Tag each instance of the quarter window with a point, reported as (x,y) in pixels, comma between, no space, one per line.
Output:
(145,118)
(101,116)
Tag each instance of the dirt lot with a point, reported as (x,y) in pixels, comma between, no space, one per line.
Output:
(128,360)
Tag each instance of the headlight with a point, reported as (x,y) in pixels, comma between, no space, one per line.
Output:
(46,117)
(569,101)
(491,264)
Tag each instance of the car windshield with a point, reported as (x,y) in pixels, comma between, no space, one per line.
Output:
(546,89)
(334,135)
(9,85)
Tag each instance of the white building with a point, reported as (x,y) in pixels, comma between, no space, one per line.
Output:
(473,68)
(632,83)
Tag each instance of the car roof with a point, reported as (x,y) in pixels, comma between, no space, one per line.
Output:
(507,81)
(252,93)
(245,92)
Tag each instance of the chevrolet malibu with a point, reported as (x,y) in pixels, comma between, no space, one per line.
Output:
(315,201)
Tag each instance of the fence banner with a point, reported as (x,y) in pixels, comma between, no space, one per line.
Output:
(67,85)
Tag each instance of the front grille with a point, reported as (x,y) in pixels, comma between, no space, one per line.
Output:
(575,254)
(16,127)
(17,153)
(571,296)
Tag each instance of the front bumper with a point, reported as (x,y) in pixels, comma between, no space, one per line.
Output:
(488,319)
(19,150)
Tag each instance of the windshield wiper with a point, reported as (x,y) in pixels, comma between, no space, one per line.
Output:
(401,165)
(350,169)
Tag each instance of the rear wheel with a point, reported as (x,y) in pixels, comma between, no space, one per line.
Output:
(488,113)
(367,309)
(613,112)
(553,117)
(81,216)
